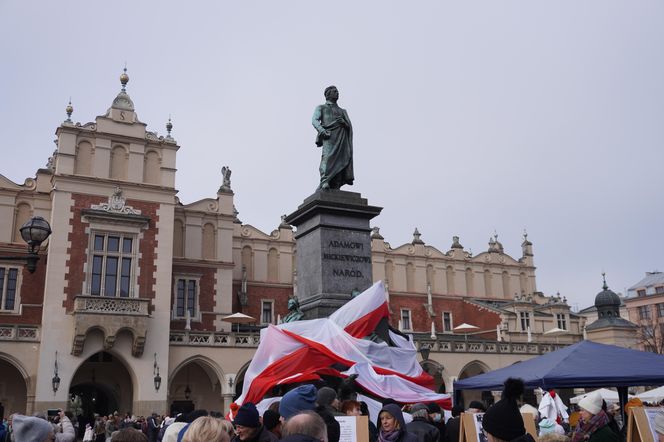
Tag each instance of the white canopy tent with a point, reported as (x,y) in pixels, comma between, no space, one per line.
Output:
(609,396)
(654,395)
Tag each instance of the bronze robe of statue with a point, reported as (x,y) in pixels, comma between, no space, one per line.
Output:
(336,163)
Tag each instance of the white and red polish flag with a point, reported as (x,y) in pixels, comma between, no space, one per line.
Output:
(300,351)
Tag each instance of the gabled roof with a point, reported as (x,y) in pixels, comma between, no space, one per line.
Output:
(651,279)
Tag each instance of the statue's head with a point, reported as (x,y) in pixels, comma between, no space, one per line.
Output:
(331,93)
(292,303)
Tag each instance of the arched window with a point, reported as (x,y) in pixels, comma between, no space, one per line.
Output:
(119,162)
(506,285)
(449,274)
(209,246)
(431,278)
(487,283)
(178,238)
(273,265)
(151,168)
(248,261)
(470,286)
(389,272)
(23,211)
(410,277)
(83,162)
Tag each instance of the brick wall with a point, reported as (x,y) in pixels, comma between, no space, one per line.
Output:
(78,240)
(461,312)
(257,293)
(206,298)
(31,292)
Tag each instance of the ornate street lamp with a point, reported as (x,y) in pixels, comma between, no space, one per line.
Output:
(55,382)
(34,232)
(157,378)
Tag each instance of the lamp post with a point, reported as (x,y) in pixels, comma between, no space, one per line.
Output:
(34,232)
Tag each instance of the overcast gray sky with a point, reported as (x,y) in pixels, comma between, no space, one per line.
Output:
(468,116)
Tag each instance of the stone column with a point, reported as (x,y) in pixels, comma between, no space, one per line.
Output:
(333,249)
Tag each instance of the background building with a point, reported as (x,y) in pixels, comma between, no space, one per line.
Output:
(127,305)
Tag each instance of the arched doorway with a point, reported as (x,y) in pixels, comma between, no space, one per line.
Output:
(13,389)
(473,369)
(103,385)
(196,384)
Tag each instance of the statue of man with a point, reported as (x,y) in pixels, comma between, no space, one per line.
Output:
(335,136)
(294,312)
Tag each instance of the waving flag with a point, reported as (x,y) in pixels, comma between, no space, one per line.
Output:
(303,350)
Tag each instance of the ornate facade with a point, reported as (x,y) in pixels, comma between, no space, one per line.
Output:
(133,285)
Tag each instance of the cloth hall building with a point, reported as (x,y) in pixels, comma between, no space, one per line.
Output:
(125,309)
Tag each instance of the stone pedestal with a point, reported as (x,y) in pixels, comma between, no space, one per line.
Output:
(333,249)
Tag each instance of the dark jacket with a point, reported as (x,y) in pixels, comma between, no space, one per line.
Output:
(423,430)
(604,434)
(333,428)
(395,411)
(452,430)
(263,435)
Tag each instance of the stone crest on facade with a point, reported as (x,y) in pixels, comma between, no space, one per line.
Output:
(116,204)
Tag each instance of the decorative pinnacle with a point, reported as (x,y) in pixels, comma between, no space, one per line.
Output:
(69,109)
(169,126)
(124,79)
(525,235)
(604,286)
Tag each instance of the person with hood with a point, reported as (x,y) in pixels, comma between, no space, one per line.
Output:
(392,427)
(503,422)
(31,429)
(420,426)
(594,423)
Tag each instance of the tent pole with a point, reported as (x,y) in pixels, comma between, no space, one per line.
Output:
(458,397)
(622,398)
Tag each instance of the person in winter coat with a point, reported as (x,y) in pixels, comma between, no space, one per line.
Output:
(420,426)
(248,426)
(392,427)
(452,426)
(66,431)
(437,419)
(503,420)
(594,423)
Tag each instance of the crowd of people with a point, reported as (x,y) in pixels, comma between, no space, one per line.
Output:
(308,414)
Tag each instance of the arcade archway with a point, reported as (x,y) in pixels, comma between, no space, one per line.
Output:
(473,369)
(196,384)
(13,389)
(103,384)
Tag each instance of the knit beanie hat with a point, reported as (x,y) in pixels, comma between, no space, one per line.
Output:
(247,416)
(298,399)
(592,402)
(503,419)
(326,396)
(30,429)
(659,423)
(270,419)
(434,408)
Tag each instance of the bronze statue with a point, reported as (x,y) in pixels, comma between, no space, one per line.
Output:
(294,312)
(335,136)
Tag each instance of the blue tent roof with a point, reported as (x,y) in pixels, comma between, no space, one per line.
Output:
(584,364)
